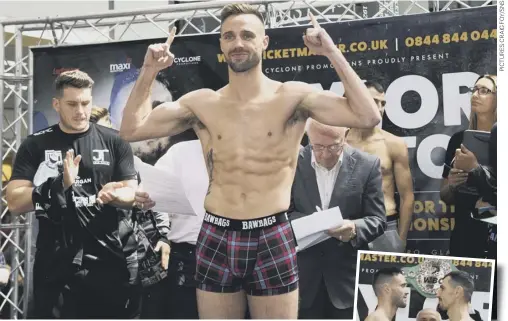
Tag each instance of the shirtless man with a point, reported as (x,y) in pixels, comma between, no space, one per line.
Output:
(392,151)
(390,287)
(455,294)
(250,131)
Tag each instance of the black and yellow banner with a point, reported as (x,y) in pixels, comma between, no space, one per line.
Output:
(425,62)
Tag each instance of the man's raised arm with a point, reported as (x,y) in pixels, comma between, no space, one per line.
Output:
(139,122)
(359,109)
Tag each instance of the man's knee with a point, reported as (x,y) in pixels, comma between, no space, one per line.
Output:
(213,305)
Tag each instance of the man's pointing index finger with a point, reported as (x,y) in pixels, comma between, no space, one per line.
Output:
(171,37)
(313,20)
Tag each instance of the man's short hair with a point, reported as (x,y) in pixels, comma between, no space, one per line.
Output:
(74,78)
(98,113)
(371,84)
(374,84)
(384,276)
(464,280)
(236,9)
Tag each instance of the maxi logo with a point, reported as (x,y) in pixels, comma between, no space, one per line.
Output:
(99,157)
(119,67)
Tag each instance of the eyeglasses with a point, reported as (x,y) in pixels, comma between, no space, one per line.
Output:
(331,148)
(482,91)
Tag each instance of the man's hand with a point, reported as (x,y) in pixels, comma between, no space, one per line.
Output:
(71,168)
(158,55)
(317,39)
(457,177)
(480,203)
(465,159)
(143,200)
(164,248)
(345,232)
(108,193)
(403,238)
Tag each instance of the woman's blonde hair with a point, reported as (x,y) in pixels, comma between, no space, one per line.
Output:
(99,113)
(473,119)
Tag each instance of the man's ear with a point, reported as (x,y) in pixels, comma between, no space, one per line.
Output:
(56,104)
(266,41)
(459,292)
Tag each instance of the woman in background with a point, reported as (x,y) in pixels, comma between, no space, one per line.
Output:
(469,237)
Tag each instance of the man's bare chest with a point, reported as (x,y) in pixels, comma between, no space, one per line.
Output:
(265,119)
(379,148)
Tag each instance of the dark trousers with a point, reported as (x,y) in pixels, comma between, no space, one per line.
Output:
(323,308)
(92,291)
(175,296)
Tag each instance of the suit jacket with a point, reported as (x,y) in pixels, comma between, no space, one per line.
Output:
(359,194)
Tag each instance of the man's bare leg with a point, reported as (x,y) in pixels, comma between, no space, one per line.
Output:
(282,306)
(212,305)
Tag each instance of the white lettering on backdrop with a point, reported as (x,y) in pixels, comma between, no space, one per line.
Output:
(454,104)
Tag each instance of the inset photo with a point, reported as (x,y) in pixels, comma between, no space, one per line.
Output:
(413,287)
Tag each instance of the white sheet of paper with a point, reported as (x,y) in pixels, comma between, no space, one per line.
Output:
(165,188)
(317,222)
(310,230)
(312,240)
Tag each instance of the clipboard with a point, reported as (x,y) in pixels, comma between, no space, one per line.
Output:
(477,141)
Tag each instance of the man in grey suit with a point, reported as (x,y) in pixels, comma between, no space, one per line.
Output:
(329,174)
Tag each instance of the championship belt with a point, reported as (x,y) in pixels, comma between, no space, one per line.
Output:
(426,277)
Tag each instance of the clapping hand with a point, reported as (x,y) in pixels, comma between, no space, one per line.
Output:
(70,168)
(108,193)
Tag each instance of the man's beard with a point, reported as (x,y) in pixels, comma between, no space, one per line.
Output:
(244,66)
(401,303)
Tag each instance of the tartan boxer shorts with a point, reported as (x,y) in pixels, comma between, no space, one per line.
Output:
(259,258)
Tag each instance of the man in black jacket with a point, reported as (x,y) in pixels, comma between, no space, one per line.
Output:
(329,174)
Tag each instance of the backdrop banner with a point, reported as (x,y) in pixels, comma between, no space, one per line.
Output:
(423,276)
(425,63)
